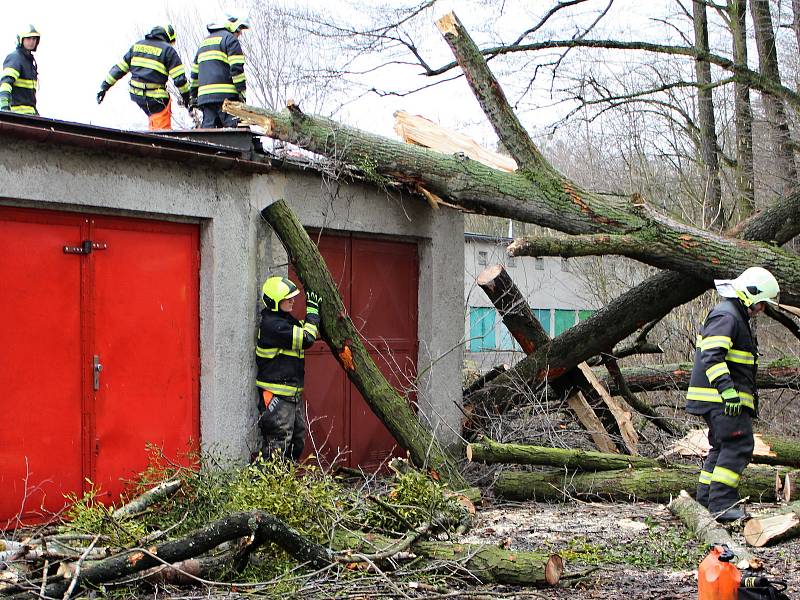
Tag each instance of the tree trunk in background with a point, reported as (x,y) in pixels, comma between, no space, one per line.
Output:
(785,169)
(714,212)
(743,113)
(796,20)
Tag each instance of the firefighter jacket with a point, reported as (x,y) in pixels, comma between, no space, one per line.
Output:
(280,352)
(725,360)
(218,69)
(19,82)
(151,62)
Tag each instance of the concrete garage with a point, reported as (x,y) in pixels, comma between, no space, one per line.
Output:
(168,307)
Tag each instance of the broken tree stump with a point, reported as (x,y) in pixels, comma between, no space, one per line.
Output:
(706,530)
(345,343)
(490,452)
(783,524)
(653,484)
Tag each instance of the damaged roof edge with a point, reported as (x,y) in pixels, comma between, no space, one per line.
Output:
(92,137)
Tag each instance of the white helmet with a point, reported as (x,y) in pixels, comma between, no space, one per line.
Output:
(231,22)
(755,285)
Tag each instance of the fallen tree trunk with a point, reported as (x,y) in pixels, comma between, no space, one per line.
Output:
(487,563)
(707,531)
(653,484)
(490,452)
(483,380)
(783,524)
(237,525)
(345,343)
(769,449)
(675,377)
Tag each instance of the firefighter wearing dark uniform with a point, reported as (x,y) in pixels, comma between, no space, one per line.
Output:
(722,388)
(218,71)
(282,342)
(151,62)
(20,75)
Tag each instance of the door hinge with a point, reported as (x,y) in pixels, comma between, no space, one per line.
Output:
(86,247)
(97,367)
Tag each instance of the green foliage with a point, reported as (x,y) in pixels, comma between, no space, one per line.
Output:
(88,516)
(784,362)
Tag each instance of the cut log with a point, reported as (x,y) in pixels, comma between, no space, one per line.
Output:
(344,339)
(783,524)
(148,498)
(490,452)
(655,485)
(769,449)
(707,531)
(790,487)
(488,563)
(590,421)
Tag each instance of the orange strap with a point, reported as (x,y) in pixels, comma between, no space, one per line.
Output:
(266,396)
(161,120)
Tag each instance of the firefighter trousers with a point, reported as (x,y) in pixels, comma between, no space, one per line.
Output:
(282,422)
(731,440)
(214,116)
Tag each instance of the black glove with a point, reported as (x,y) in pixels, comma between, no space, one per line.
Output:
(186,99)
(733,405)
(242,97)
(100,95)
(313,300)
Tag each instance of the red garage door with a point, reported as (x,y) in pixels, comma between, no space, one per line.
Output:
(98,353)
(377,280)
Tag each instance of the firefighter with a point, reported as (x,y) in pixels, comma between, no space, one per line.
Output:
(282,341)
(218,71)
(151,62)
(20,75)
(722,388)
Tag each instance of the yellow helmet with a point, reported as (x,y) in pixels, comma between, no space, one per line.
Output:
(755,285)
(275,290)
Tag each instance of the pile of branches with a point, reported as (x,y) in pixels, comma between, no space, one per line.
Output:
(270,525)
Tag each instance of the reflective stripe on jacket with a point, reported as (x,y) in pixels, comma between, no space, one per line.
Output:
(19,81)
(151,62)
(280,352)
(725,360)
(218,69)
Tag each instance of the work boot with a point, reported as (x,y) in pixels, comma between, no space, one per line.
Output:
(734,513)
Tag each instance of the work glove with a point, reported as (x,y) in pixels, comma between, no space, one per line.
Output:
(186,99)
(242,98)
(313,300)
(100,95)
(733,405)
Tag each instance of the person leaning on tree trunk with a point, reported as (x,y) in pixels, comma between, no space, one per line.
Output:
(722,388)
(282,342)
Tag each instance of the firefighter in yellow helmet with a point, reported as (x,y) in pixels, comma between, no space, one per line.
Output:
(722,388)
(20,76)
(282,342)
(151,62)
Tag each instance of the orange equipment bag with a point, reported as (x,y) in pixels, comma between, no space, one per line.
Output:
(717,578)
(161,120)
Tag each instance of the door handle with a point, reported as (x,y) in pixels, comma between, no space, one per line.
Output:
(96,368)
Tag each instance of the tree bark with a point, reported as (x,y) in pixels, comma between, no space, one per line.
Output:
(743,112)
(706,530)
(713,209)
(675,377)
(481,381)
(653,484)
(345,343)
(785,168)
(490,452)
(488,563)
(779,526)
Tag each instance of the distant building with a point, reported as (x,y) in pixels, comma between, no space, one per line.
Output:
(552,286)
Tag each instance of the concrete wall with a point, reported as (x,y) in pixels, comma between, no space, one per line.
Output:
(237,251)
(551,284)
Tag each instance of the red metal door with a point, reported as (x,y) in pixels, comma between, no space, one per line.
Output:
(134,305)
(40,363)
(377,280)
(145,293)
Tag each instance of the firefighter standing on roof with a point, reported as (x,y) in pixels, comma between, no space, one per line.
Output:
(282,341)
(151,62)
(218,71)
(722,388)
(20,75)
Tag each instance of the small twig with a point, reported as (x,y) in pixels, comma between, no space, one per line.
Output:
(77,573)
(44,578)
